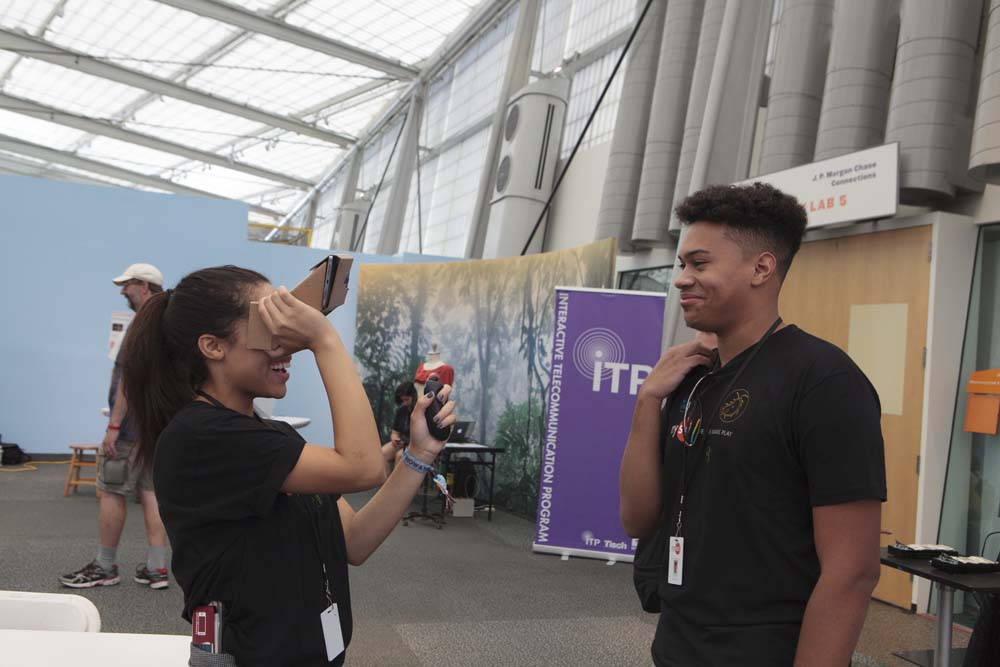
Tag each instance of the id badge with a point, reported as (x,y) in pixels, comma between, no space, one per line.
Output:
(675,562)
(332,634)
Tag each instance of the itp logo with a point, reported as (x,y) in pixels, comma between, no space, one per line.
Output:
(599,355)
(595,346)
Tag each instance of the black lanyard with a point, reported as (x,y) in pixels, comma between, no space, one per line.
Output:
(706,429)
(217,403)
(314,499)
(317,500)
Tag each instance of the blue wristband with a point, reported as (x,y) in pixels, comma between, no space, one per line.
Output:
(419,466)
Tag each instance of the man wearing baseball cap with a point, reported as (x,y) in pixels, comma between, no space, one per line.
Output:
(117,478)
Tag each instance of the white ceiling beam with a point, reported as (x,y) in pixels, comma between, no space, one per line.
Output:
(42,50)
(39,152)
(33,109)
(264,25)
(11,164)
(346,96)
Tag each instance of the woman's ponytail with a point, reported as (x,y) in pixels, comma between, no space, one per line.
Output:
(154,389)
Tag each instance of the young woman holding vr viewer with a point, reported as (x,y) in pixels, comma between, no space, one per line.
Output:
(253,512)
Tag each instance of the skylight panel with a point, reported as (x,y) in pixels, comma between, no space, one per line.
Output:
(278,200)
(49,169)
(28,15)
(290,153)
(354,116)
(280,77)
(129,156)
(220,181)
(69,90)
(404,30)
(138,34)
(191,124)
(595,20)
(7,59)
(35,130)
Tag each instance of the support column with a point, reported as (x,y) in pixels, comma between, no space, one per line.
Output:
(708,42)
(928,105)
(858,77)
(515,78)
(392,226)
(342,237)
(628,143)
(678,51)
(796,94)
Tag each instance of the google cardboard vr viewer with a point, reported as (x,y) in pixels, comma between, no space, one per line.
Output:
(324,289)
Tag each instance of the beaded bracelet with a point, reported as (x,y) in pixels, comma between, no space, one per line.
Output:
(419,466)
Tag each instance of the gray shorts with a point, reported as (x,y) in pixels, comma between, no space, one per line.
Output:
(120,475)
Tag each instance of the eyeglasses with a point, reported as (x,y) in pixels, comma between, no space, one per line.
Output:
(690,426)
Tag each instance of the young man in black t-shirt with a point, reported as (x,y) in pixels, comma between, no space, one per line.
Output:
(761,461)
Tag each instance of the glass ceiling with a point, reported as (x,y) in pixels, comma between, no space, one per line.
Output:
(246,68)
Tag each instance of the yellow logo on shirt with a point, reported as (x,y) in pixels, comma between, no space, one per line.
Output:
(734,406)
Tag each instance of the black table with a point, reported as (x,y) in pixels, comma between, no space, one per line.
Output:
(445,458)
(946,584)
(475,448)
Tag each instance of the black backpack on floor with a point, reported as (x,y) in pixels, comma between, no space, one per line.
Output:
(13,455)
(984,645)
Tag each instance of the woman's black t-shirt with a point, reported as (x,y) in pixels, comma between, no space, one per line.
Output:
(238,539)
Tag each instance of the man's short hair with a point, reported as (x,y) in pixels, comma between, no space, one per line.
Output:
(154,288)
(759,217)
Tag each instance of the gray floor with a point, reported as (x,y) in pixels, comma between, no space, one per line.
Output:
(470,594)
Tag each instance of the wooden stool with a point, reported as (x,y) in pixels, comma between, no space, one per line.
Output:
(79,461)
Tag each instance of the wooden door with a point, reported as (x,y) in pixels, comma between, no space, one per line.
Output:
(827,279)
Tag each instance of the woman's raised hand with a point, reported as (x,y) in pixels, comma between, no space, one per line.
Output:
(422,445)
(294,325)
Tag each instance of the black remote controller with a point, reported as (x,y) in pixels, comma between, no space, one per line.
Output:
(437,432)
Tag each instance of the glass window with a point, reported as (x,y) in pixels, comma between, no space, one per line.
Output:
(655,279)
(972,488)
(584,91)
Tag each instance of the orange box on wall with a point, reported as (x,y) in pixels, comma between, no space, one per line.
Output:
(982,407)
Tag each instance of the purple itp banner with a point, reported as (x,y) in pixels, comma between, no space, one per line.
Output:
(605,344)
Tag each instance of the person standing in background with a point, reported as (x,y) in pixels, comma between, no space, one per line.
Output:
(117,475)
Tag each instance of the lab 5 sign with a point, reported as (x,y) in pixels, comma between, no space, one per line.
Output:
(605,344)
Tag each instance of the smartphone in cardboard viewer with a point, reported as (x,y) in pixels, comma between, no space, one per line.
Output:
(324,288)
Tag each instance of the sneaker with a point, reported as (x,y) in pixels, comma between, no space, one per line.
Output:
(153,578)
(91,575)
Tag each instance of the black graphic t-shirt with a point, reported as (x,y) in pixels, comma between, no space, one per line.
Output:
(799,429)
(238,539)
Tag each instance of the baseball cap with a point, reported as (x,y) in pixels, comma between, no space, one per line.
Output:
(145,272)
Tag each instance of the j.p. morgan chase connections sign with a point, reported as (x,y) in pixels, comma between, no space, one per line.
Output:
(857,186)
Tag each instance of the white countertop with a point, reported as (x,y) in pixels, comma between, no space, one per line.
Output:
(44,648)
